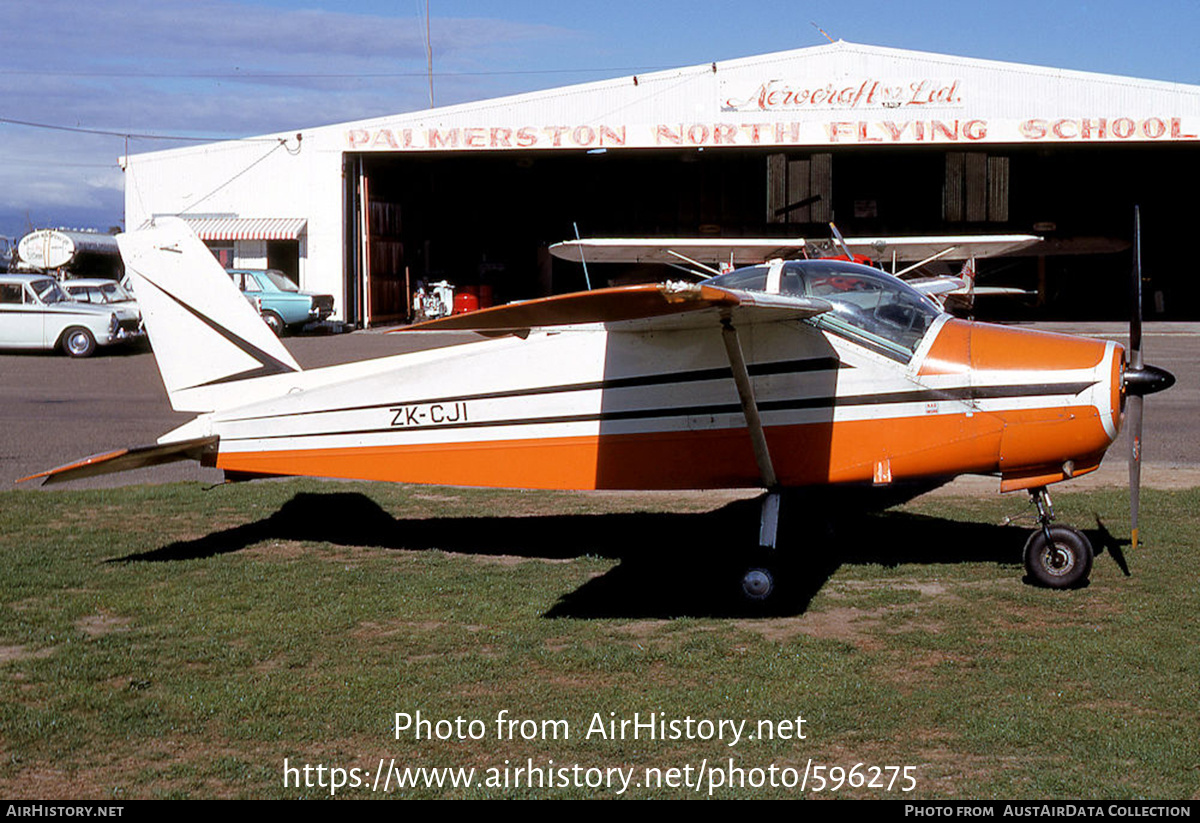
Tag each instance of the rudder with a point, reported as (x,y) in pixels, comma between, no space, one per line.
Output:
(205,334)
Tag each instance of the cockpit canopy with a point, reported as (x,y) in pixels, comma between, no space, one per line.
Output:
(870,307)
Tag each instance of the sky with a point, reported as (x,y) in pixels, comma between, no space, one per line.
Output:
(154,74)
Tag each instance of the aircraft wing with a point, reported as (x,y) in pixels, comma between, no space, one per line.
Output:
(750,250)
(126,459)
(944,247)
(743,251)
(652,305)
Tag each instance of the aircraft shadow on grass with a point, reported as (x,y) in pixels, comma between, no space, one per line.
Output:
(670,564)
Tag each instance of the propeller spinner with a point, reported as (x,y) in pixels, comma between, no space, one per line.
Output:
(1139,379)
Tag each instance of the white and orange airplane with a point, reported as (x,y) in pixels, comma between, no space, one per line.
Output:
(784,375)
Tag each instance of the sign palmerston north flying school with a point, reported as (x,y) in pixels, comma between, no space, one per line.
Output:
(781,112)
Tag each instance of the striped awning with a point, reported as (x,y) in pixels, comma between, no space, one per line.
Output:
(247,228)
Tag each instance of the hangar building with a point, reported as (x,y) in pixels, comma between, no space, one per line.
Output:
(884,141)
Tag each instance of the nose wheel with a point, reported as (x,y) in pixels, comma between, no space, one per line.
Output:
(1062,562)
(1057,557)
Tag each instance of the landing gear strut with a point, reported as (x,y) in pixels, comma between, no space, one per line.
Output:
(1058,557)
(758,579)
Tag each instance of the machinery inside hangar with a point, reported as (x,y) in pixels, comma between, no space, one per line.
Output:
(483,221)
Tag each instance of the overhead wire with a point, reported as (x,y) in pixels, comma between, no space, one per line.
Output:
(130,135)
(237,75)
(282,144)
(244,75)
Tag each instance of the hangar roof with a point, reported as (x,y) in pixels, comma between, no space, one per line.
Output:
(836,94)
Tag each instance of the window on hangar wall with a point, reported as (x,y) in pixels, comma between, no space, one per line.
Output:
(977,188)
(799,189)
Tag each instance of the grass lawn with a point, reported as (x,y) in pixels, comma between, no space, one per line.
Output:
(173,641)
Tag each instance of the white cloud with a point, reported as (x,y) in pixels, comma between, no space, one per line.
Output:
(211,68)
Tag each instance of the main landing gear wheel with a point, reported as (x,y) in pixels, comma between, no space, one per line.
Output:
(758,584)
(763,572)
(1063,562)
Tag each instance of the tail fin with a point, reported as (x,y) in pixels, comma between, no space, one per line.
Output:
(968,274)
(207,338)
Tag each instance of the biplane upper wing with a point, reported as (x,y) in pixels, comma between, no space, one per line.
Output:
(748,251)
(671,250)
(665,305)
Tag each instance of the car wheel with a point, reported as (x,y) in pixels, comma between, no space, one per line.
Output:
(274,322)
(78,342)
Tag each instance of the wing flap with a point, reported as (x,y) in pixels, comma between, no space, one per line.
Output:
(122,460)
(650,303)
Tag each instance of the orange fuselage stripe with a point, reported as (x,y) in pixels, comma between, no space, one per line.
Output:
(807,454)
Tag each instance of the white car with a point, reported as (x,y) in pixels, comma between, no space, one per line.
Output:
(97,290)
(101,291)
(35,313)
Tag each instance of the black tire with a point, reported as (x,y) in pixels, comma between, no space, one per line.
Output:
(274,322)
(761,573)
(1065,564)
(758,584)
(78,342)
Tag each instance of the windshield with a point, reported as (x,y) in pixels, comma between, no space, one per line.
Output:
(280,280)
(48,291)
(870,307)
(100,293)
(113,293)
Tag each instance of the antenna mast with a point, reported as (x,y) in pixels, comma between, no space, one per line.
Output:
(428,54)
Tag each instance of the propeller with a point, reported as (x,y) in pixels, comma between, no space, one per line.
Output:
(1139,379)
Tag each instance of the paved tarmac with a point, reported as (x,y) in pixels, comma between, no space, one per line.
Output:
(55,410)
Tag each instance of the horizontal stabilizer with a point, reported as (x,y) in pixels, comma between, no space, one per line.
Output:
(121,460)
(615,305)
(1001,291)
(934,286)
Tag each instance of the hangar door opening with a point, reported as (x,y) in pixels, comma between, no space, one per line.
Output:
(484,222)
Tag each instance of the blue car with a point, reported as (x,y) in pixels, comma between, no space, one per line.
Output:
(279,300)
